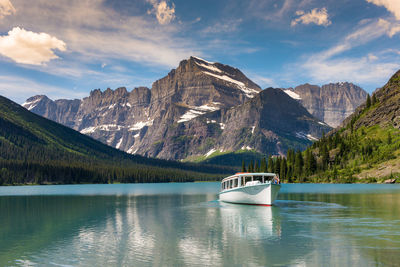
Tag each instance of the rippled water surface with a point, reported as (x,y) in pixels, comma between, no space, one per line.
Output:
(184,225)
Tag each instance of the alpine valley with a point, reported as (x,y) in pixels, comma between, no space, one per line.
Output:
(202,111)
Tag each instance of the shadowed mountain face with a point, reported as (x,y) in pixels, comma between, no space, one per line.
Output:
(199,108)
(331,103)
(271,122)
(384,113)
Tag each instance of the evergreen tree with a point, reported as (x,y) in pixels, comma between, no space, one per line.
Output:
(368,104)
(325,157)
(257,167)
(374,100)
(263,165)
(251,166)
(289,174)
(298,165)
(290,156)
(243,166)
(271,167)
(277,165)
(282,174)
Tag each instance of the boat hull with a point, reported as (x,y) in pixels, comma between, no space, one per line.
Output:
(261,194)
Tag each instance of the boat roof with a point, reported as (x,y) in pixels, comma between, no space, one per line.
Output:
(250,174)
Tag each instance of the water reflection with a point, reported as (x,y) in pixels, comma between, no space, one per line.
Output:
(196,230)
(250,222)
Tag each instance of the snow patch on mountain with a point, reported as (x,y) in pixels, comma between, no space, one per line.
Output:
(210,67)
(292,94)
(194,111)
(130,150)
(189,115)
(208,62)
(119,143)
(139,125)
(31,104)
(306,136)
(250,93)
(104,127)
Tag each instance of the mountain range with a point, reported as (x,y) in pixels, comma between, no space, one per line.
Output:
(34,149)
(204,109)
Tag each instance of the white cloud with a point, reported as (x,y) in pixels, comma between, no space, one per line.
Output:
(29,47)
(97,33)
(358,70)
(372,57)
(368,32)
(163,12)
(316,16)
(329,66)
(223,27)
(6,8)
(392,6)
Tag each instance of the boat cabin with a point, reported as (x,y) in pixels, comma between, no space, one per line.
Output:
(248,179)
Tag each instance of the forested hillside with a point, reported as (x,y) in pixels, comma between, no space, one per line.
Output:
(366,148)
(36,150)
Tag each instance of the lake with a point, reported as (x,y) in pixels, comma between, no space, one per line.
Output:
(183,224)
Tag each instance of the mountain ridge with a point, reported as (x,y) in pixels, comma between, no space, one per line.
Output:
(34,149)
(139,121)
(331,103)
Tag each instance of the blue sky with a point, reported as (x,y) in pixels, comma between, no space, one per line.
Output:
(65,49)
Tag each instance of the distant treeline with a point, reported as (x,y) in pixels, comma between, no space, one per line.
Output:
(17,172)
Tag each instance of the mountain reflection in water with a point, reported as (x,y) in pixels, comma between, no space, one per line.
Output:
(184,225)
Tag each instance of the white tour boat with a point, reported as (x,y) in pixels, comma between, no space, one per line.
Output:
(250,188)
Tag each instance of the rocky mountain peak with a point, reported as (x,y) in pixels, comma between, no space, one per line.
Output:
(34,101)
(198,108)
(332,102)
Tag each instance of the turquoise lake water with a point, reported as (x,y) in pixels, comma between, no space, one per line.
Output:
(184,225)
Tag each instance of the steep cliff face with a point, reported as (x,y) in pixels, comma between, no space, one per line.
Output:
(384,112)
(331,103)
(269,123)
(136,121)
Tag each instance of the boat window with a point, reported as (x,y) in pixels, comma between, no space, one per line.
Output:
(247,179)
(268,178)
(242,182)
(258,178)
(234,182)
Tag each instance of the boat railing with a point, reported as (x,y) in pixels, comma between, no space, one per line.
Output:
(248,180)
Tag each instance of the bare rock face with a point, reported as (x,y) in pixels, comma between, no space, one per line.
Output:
(386,112)
(331,103)
(199,108)
(269,123)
